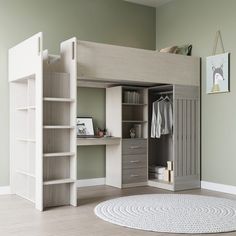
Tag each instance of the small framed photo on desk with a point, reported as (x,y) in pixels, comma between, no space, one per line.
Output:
(85,127)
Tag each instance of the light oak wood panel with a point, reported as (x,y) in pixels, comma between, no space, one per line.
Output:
(98,141)
(69,65)
(115,63)
(186,137)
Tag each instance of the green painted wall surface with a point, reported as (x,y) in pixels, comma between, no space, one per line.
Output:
(91,160)
(196,22)
(107,21)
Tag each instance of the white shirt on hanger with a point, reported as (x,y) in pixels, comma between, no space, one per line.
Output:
(162,118)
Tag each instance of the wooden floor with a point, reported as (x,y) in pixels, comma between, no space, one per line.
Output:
(18,216)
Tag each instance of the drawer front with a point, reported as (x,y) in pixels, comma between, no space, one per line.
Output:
(134,175)
(134,161)
(134,146)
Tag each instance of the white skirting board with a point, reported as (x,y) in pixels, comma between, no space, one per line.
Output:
(204,185)
(218,187)
(5,190)
(101,181)
(90,182)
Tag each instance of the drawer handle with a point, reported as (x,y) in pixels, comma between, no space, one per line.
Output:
(132,176)
(136,161)
(135,147)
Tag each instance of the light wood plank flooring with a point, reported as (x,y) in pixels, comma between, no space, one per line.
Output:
(18,216)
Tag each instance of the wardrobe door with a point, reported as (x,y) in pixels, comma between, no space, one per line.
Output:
(186,137)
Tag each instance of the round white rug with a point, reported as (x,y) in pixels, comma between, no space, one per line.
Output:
(171,213)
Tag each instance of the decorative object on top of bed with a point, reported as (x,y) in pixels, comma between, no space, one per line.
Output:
(217,69)
(182,50)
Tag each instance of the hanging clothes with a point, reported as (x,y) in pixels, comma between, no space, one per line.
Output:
(162,118)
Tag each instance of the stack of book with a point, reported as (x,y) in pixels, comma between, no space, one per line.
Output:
(131,97)
(162,172)
(156,172)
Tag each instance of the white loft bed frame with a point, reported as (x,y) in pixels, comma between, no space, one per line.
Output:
(89,65)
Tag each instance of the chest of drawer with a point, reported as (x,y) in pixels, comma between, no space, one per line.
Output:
(134,146)
(134,161)
(137,175)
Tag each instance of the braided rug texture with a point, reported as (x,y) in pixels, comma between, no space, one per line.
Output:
(171,213)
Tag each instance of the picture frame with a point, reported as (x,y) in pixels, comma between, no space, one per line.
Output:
(84,126)
(218,73)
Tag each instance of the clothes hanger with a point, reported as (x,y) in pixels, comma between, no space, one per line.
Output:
(161,98)
(167,98)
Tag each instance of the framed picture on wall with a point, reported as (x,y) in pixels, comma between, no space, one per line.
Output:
(85,127)
(217,73)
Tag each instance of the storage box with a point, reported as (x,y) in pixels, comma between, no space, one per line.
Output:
(172,176)
(167,175)
(169,165)
(157,169)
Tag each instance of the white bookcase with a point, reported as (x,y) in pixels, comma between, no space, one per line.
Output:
(123,167)
(43,123)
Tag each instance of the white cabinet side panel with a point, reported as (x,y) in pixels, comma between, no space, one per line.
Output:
(69,65)
(114,124)
(24,58)
(25,64)
(39,130)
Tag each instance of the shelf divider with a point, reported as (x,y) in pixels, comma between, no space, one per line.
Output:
(58,127)
(25,173)
(59,181)
(59,154)
(54,99)
(134,121)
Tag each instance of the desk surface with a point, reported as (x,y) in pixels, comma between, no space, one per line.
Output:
(98,141)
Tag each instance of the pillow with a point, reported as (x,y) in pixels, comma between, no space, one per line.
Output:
(172,49)
(185,50)
(182,50)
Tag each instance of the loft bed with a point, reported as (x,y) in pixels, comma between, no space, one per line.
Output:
(43,101)
(101,63)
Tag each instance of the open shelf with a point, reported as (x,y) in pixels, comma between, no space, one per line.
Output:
(55,99)
(56,84)
(161,184)
(134,121)
(24,79)
(134,138)
(134,111)
(58,127)
(59,181)
(161,181)
(25,173)
(26,108)
(59,154)
(134,104)
(26,140)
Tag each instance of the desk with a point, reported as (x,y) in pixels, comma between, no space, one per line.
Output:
(98,141)
(113,157)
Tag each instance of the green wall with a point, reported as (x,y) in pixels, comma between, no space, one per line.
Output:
(108,21)
(196,22)
(91,160)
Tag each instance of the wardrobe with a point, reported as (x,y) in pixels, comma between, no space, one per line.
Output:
(43,103)
(182,145)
